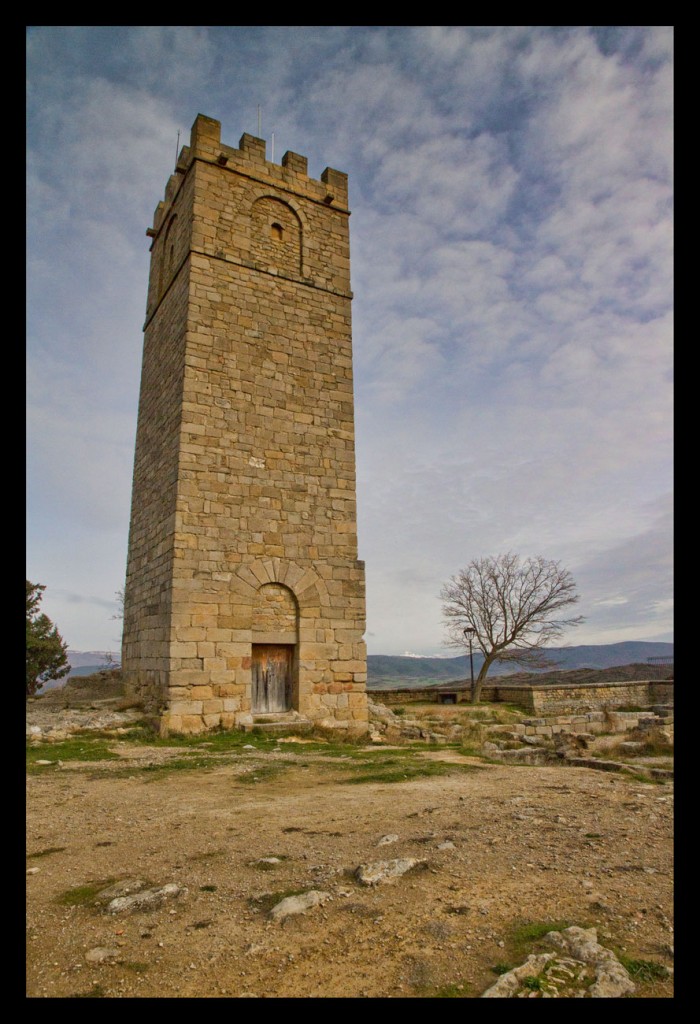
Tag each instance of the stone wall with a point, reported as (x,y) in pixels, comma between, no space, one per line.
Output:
(545,699)
(244,485)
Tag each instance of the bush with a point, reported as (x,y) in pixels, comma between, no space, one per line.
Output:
(46,649)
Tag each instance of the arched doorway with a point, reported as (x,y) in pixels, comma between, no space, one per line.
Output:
(274,650)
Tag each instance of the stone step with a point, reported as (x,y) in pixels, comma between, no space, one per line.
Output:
(281,721)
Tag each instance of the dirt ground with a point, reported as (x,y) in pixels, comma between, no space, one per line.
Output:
(504,851)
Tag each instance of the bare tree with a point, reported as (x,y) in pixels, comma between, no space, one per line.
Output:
(514,607)
(119,614)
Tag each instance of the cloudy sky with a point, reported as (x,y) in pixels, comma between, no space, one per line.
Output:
(511,242)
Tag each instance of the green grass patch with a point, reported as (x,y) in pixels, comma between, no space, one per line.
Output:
(643,970)
(501,968)
(467,750)
(220,742)
(83,895)
(400,769)
(533,983)
(650,780)
(261,773)
(528,933)
(74,749)
(47,852)
(153,772)
(135,966)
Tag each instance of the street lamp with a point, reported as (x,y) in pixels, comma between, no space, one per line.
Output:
(469,633)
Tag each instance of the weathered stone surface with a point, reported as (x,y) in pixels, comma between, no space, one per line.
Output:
(567,973)
(124,888)
(100,953)
(612,980)
(381,871)
(146,899)
(509,984)
(298,904)
(243,525)
(390,838)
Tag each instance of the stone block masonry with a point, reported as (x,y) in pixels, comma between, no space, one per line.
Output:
(244,592)
(543,698)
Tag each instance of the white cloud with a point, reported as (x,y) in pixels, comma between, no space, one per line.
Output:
(511,241)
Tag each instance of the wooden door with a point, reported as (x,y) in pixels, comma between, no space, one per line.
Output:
(272,677)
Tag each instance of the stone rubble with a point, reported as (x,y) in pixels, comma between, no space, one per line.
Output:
(298,904)
(146,899)
(581,968)
(380,871)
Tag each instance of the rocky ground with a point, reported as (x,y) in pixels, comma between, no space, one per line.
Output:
(500,855)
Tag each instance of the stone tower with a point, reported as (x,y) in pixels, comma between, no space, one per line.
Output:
(244,597)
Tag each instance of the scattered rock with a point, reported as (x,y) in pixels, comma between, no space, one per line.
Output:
(268,860)
(33,871)
(447,845)
(146,899)
(509,984)
(612,980)
(566,973)
(100,953)
(390,838)
(298,904)
(380,871)
(124,888)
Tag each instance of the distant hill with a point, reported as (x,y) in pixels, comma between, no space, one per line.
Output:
(81,659)
(385,671)
(82,663)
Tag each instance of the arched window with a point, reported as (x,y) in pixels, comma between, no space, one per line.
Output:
(276,236)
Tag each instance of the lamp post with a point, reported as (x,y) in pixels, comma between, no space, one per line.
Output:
(469,633)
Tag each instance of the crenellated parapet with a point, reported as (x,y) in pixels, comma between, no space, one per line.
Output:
(250,158)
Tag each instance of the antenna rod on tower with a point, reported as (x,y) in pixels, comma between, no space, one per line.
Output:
(272,155)
(177,146)
(259,123)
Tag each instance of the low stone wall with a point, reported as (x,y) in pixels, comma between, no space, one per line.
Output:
(661,691)
(592,722)
(547,698)
(596,696)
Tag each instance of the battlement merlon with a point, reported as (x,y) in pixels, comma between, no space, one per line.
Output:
(250,158)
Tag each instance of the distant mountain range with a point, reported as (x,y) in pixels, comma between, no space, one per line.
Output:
(83,663)
(81,659)
(385,671)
